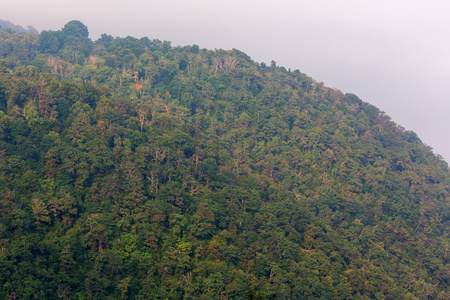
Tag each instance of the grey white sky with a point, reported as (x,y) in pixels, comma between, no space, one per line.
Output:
(393,54)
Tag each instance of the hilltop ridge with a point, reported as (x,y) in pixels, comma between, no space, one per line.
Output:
(7,25)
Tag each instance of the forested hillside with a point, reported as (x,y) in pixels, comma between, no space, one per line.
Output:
(10,27)
(132,169)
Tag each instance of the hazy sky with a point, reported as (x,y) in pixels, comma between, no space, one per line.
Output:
(393,54)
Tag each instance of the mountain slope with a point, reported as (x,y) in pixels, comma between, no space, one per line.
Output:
(131,168)
(8,26)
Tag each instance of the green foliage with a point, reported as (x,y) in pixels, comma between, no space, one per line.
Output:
(73,37)
(133,169)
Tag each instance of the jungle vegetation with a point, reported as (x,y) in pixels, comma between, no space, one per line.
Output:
(133,169)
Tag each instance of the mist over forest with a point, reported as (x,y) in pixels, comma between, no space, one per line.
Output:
(8,26)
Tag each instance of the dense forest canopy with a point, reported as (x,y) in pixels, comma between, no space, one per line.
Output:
(132,169)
